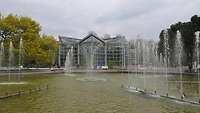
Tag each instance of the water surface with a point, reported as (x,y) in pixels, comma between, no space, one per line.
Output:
(71,94)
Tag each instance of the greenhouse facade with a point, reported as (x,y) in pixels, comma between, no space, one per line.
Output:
(94,52)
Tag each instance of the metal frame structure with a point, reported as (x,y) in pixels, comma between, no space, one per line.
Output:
(94,52)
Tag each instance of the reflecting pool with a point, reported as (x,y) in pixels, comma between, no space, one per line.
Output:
(78,93)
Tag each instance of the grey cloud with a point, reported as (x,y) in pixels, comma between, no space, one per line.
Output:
(127,17)
(131,9)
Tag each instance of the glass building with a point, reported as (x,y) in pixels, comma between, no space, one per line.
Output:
(94,52)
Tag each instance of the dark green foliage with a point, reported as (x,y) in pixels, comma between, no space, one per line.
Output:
(187,30)
(39,51)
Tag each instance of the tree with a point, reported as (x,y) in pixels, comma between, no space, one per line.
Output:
(161,45)
(187,30)
(49,48)
(188,39)
(35,53)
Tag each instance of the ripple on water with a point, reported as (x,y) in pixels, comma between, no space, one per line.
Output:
(92,79)
(12,83)
(70,75)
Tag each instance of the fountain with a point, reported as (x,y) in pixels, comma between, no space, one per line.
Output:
(20,57)
(68,59)
(166,59)
(152,64)
(144,55)
(155,64)
(89,54)
(137,57)
(135,60)
(10,60)
(197,62)
(1,55)
(132,60)
(179,51)
(67,62)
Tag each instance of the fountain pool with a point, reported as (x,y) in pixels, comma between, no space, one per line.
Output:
(66,94)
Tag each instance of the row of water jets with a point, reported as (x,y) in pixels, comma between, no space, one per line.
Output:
(10,66)
(146,59)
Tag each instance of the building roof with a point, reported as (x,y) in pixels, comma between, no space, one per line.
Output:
(91,35)
(64,39)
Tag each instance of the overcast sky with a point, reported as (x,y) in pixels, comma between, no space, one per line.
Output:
(132,18)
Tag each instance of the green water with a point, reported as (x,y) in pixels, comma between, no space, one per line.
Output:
(71,94)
